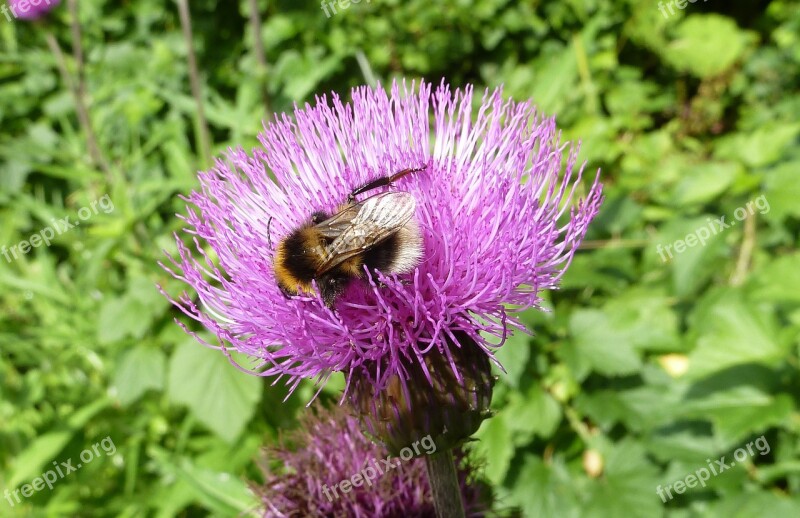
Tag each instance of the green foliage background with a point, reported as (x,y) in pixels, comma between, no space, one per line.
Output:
(642,371)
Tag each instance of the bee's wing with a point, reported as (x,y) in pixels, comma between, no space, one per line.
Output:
(378,218)
(333,227)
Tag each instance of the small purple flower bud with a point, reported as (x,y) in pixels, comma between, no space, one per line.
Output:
(31,10)
(304,476)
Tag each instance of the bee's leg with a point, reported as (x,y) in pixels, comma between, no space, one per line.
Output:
(330,287)
(380,182)
(318,217)
(404,282)
(380,284)
(287,293)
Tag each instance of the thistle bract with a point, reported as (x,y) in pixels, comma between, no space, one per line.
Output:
(443,397)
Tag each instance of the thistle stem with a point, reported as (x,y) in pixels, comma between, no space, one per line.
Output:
(77,47)
(78,91)
(258,48)
(194,80)
(444,485)
(745,252)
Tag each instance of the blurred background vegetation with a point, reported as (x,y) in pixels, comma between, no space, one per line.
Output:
(643,370)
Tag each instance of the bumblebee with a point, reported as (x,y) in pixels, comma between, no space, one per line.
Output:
(379,232)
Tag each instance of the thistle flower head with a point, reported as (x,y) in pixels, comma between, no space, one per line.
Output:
(500,206)
(27,10)
(304,475)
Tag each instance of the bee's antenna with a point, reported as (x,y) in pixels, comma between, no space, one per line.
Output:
(269,234)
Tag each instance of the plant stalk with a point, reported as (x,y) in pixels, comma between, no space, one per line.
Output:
(444,485)
(261,56)
(194,81)
(78,91)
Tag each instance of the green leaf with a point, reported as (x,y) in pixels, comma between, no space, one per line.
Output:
(608,339)
(692,267)
(227,495)
(513,356)
(609,269)
(218,395)
(535,412)
(603,348)
(756,504)
(778,281)
(122,317)
(729,334)
(703,183)
(640,409)
(689,444)
(144,291)
(741,411)
(222,487)
(765,145)
(705,45)
(553,74)
(781,192)
(141,368)
(494,442)
(43,450)
(627,487)
(546,490)
(16,169)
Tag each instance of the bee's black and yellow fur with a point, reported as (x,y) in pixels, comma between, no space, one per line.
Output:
(379,233)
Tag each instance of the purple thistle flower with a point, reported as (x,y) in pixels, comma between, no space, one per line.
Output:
(28,10)
(329,448)
(495,205)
